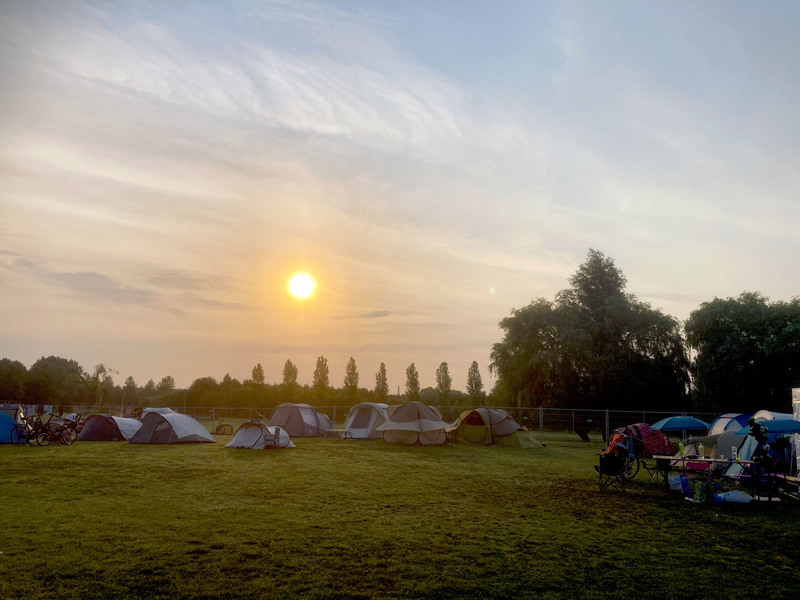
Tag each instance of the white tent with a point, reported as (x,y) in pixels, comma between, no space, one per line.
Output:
(107,428)
(363,420)
(160,411)
(728,422)
(414,423)
(768,415)
(299,420)
(170,428)
(255,435)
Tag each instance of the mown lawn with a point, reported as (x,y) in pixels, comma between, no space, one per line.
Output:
(354,519)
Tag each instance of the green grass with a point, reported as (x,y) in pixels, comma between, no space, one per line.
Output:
(354,519)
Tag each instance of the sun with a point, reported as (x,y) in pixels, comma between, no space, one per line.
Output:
(301,285)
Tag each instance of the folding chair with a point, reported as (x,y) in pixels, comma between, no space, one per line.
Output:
(611,469)
(657,468)
(271,440)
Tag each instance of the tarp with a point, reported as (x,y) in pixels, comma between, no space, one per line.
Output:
(170,428)
(487,426)
(646,441)
(363,420)
(106,428)
(414,423)
(299,420)
(254,435)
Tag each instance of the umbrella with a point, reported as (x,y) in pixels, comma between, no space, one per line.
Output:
(782,426)
(678,423)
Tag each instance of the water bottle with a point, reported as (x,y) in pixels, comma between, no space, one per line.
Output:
(680,448)
(734,456)
(700,451)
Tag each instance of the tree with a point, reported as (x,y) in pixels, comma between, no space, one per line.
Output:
(381,384)
(13,375)
(56,380)
(746,348)
(475,384)
(443,382)
(130,391)
(321,380)
(202,392)
(350,384)
(595,346)
(258,375)
(289,380)
(412,383)
(166,385)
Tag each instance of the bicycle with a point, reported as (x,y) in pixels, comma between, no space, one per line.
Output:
(30,431)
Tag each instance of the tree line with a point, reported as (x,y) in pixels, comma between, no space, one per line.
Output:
(59,381)
(597,346)
(593,346)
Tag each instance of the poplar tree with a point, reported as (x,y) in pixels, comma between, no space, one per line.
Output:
(412,383)
(381,384)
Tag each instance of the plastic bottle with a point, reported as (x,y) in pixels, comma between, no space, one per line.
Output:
(734,455)
(680,448)
(700,452)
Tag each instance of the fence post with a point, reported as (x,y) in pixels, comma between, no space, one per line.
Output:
(541,423)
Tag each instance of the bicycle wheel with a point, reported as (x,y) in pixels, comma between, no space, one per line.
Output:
(631,468)
(43,439)
(68,436)
(19,435)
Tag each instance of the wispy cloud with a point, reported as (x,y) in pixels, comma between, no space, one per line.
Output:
(90,286)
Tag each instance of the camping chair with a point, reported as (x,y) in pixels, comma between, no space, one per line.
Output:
(657,468)
(611,469)
(271,440)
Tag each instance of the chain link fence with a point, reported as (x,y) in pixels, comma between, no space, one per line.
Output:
(582,422)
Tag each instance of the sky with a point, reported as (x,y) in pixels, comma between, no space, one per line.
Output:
(165,167)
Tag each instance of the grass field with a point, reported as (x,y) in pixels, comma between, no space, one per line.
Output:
(368,520)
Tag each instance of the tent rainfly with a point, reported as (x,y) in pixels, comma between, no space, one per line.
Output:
(490,426)
(105,428)
(254,435)
(363,420)
(414,423)
(170,428)
(299,420)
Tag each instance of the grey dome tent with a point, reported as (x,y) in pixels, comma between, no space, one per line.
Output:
(106,428)
(363,420)
(170,428)
(299,420)
(256,436)
(414,423)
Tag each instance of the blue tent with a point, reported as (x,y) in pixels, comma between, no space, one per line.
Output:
(6,425)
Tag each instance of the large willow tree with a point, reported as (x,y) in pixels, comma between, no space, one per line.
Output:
(594,346)
(748,353)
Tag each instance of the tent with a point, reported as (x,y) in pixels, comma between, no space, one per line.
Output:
(363,420)
(6,425)
(170,428)
(728,422)
(299,420)
(490,426)
(160,411)
(768,415)
(414,423)
(105,428)
(254,435)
